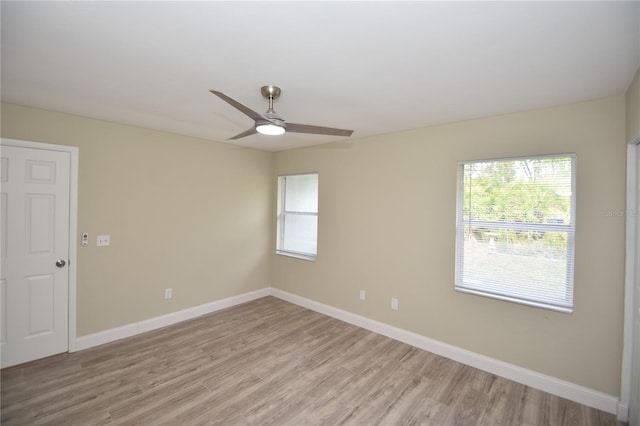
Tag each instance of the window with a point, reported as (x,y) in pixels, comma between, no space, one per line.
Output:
(298,215)
(515,230)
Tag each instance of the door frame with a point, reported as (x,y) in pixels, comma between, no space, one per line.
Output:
(632,268)
(73,222)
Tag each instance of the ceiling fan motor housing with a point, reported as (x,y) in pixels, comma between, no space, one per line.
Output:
(270,92)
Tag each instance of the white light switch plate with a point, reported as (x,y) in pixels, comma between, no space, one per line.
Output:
(104,240)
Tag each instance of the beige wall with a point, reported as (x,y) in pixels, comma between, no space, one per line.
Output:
(633,110)
(387,225)
(185,213)
(198,216)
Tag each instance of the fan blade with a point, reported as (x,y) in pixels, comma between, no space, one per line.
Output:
(242,108)
(317,130)
(249,132)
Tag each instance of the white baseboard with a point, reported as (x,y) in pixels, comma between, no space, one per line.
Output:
(623,412)
(552,385)
(102,337)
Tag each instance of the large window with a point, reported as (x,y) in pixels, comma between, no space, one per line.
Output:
(515,230)
(298,215)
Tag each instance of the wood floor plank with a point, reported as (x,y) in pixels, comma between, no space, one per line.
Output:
(269,362)
(235,387)
(505,398)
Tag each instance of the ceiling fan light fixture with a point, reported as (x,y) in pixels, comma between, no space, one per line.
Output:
(269,129)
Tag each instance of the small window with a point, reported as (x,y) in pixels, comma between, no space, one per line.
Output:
(515,230)
(297,225)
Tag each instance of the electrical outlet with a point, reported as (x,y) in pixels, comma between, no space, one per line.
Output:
(394,303)
(363,295)
(104,240)
(168,293)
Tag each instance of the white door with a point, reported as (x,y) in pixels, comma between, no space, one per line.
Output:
(35,253)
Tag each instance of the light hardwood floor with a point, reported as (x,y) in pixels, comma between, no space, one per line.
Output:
(269,362)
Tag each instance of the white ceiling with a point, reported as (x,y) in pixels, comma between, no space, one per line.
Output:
(374,67)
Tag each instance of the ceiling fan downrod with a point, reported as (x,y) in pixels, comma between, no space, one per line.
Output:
(271,93)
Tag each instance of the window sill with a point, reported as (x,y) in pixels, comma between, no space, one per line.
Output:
(564,310)
(309,257)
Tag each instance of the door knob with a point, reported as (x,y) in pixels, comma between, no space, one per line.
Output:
(60,263)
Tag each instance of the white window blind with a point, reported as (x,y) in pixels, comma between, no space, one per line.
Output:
(298,215)
(515,230)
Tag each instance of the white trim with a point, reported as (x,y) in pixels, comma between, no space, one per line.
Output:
(552,385)
(311,258)
(111,335)
(631,269)
(73,222)
(623,411)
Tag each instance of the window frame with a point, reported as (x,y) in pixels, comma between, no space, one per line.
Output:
(565,305)
(282,213)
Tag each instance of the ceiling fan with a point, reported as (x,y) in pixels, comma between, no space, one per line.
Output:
(271,123)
